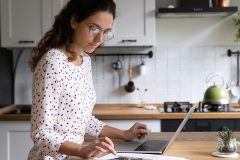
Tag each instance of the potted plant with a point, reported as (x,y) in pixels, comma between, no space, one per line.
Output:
(236,21)
(226,142)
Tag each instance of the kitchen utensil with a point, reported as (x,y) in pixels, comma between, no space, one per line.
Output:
(216,93)
(235,90)
(142,67)
(117,66)
(130,87)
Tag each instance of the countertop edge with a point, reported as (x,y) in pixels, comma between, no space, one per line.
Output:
(128,112)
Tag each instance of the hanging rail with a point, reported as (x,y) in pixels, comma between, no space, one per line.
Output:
(149,54)
(230,52)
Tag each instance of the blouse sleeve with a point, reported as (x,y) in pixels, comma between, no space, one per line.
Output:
(94,126)
(47,84)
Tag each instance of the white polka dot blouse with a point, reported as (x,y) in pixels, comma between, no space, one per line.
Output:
(63,99)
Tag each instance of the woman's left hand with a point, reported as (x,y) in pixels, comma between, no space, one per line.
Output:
(138,130)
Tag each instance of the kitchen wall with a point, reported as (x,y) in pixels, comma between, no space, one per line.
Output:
(187,50)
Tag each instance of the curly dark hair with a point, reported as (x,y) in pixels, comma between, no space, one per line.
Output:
(61,32)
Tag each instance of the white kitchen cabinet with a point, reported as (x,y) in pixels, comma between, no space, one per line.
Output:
(153,125)
(15,141)
(134,24)
(24,22)
(57,5)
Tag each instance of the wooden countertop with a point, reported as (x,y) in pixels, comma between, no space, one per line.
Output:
(122,112)
(194,145)
(190,145)
(116,111)
(194,150)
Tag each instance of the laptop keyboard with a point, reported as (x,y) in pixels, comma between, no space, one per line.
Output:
(152,145)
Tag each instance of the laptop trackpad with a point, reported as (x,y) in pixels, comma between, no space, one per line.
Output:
(152,145)
(128,146)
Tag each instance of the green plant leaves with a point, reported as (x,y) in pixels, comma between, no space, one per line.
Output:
(236,21)
(226,135)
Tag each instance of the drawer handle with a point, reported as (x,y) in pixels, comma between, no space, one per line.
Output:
(20,42)
(129,40)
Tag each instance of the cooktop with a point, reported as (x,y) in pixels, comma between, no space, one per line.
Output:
(202,107)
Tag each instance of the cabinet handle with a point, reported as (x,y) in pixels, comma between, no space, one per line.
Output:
(129,40)
(20,42)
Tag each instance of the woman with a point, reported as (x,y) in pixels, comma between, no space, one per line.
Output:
(63,93)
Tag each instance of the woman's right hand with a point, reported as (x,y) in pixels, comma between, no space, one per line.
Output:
(98,148)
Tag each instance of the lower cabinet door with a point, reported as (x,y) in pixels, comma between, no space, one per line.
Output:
(200,125)
(15,141)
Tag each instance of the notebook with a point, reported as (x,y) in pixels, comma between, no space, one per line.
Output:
(152,146)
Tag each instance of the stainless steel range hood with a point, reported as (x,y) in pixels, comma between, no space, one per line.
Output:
(196,12)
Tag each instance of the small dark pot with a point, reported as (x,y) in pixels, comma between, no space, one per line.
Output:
(130,87)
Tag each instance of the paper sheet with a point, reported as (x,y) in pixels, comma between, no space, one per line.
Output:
(134,155)
(144,156)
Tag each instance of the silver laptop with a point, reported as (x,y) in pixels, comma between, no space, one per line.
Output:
(152,146)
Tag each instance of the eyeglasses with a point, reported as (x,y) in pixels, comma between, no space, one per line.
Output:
(96,31)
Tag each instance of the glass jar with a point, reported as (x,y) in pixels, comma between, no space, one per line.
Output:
(229,146)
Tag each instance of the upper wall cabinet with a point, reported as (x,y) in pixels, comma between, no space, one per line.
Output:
(57,5)
(23,22)
(134,24)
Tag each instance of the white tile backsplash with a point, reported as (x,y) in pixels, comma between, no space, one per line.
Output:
(173,53)
(173,74)
(197,64)
(209,52)
(161,76)
(173,88)
(161,64)
(178,73)
(209,64)
(161,88)
(185,76)
(185,88)
(197,52)
(185,63)
(173,64)
(185,52)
